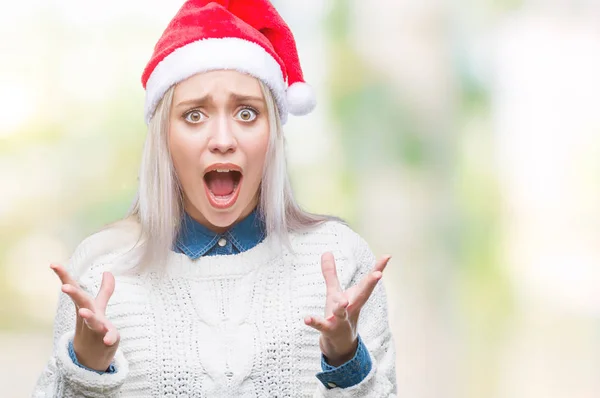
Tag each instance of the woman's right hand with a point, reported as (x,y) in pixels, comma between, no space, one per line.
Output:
(96,339)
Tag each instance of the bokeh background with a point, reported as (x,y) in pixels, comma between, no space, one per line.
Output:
(462,137)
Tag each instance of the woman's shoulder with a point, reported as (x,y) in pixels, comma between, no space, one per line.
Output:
(334,234)
(352,254)
(97,252)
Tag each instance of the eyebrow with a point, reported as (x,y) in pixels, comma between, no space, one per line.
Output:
(208,99)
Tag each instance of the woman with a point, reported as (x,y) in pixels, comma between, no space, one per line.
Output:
(211,285)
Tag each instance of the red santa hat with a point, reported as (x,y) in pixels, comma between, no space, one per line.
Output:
(244,35)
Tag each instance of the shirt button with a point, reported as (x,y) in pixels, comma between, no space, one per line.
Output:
(332,385)
(222,242)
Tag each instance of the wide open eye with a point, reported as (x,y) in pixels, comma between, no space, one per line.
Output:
(246,114)
(194,116)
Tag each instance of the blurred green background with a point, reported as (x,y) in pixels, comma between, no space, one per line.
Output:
(460,137)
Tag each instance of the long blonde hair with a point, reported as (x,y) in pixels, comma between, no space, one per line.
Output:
(158,204)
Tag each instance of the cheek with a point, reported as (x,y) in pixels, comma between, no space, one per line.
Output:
(255,151)
(258,149)
(183,153)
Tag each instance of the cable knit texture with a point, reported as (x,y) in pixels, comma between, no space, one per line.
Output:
(220,326)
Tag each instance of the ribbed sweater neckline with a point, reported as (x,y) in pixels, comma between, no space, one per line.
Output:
(229,265)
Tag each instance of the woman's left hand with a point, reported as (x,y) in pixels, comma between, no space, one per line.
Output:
(339,337)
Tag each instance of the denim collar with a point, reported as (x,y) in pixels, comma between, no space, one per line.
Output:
(194,239)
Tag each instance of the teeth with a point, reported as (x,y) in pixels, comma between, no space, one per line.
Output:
(222,170)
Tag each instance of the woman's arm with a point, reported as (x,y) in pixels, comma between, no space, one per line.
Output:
(62,377)
(373,327)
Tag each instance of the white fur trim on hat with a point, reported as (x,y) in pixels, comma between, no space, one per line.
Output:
(301,99)
(214,54)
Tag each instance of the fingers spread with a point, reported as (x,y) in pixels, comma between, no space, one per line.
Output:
(365,288)
(317,323)
(339,310)
(107,288)
(93,320)
(63,275)
(381,263)
(79,297)
(99,324)
(330,273)
(112,335)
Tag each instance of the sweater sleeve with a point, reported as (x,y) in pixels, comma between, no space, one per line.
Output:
(61,377)
(375,332)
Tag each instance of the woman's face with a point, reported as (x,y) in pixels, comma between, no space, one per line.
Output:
(218,137)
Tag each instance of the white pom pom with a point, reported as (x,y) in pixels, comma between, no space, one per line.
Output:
(301,99)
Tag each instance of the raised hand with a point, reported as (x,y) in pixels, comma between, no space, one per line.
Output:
(96,339)
(338,329)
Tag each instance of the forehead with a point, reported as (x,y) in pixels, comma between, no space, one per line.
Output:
(218,83)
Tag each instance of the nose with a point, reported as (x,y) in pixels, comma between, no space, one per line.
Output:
(222,138)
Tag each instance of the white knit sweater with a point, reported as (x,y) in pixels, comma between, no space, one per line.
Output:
(222,326)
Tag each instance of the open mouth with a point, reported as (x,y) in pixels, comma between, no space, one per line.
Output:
(222,187)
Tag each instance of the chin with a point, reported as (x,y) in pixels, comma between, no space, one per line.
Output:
(220,218)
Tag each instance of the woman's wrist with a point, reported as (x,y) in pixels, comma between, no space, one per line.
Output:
(99,362)
(337,359)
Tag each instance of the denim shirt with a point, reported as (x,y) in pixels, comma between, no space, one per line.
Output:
(195,240)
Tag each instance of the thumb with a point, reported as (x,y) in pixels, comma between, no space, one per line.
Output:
(106,290)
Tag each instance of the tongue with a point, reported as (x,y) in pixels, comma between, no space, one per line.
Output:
(220,184)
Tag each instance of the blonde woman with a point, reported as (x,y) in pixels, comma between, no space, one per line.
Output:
(217,284)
